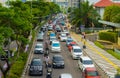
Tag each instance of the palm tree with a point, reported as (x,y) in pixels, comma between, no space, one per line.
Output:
(85,15)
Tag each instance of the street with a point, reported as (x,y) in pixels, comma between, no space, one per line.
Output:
(71,66)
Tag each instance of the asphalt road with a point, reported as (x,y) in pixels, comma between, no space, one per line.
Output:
(71,66)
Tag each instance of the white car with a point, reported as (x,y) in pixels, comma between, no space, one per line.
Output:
(39,48)
(55,46)
(63,37)
(76,52)
(85,62)
(65,75)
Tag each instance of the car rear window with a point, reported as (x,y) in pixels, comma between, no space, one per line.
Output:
(38,46)
(55,44)
(36,63)
(58,58)
(92,73)
(77,50)
(70,40)
(87,62)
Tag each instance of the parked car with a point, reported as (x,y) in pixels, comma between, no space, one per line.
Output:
(36,67)
(40,37)
(65,75)
(68,41)
(90,72)
(55,46)
(71,45)
(58,61)
(76,52)
(85,62)
(39,49)
(5,55)
(63,37)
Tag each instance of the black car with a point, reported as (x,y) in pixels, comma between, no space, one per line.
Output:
(36,67)
(58,61)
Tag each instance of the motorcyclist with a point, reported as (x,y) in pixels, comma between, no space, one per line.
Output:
(49,70)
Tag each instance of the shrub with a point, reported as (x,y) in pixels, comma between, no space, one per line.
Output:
(109,36)
(115,54)
(17,68)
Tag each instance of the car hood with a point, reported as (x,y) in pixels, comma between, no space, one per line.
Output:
(36,67)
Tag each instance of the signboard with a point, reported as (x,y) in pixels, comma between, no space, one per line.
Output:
(82,28)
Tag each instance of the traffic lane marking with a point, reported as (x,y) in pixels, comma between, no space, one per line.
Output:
(95,50)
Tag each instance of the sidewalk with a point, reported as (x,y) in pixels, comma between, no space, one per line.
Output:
(104,61)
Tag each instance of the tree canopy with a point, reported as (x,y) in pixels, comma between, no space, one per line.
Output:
(112,14)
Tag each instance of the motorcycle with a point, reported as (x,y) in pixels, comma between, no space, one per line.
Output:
(49,72)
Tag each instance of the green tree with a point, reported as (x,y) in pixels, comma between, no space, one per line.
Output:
(112,13)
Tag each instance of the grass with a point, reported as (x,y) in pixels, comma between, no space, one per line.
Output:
(99,44)
(112,52)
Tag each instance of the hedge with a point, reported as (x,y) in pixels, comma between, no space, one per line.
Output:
(17,68)
(109,36)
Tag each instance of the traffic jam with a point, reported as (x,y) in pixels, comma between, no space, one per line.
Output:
(57,55)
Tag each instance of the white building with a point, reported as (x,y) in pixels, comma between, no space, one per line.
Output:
(102,4)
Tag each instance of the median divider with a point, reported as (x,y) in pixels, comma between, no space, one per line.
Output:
(82,42)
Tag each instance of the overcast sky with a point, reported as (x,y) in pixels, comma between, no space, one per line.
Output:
(92,1)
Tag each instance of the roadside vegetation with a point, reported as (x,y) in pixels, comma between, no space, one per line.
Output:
(16,23)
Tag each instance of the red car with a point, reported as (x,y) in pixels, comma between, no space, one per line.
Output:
(71,45)
(90,72)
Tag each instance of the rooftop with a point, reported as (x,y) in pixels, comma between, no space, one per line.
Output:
(105,3)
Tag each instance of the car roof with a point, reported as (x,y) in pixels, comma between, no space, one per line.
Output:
(55,41)
(90,69)
(57,55)
(37,59)
(39,44)
(85,58)
(76,47)
(66,75)
(73,42)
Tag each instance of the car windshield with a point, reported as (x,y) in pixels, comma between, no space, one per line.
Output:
(58,58)
(36,63)
(77,50)
(72,44)
(38,46)
(52,34)
(55,44)
(92,73)
(87,62)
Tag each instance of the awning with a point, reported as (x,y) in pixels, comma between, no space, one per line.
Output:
(117,25)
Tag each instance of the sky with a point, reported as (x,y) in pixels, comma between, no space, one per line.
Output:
(92,1)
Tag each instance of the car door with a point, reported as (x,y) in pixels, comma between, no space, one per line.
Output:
(80,63)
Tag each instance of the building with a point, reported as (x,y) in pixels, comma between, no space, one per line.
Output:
(100,5)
